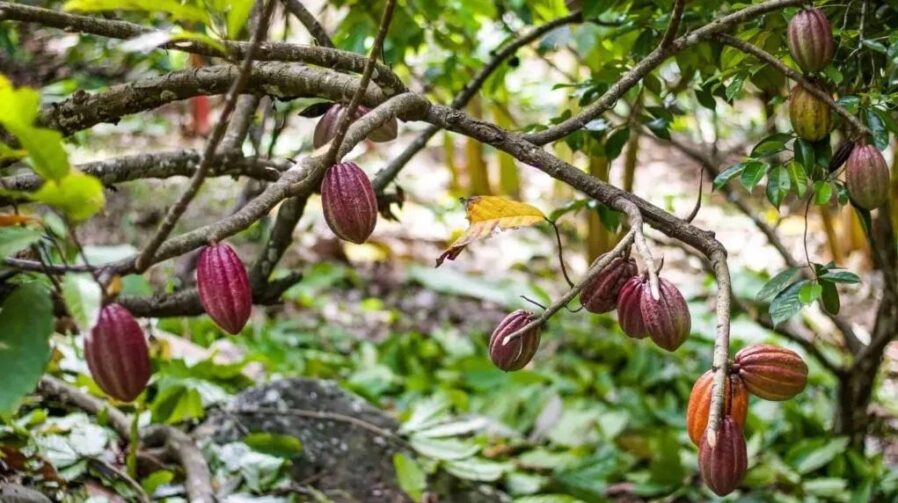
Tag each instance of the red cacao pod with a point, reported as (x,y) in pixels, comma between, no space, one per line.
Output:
(724,465)
(349,203)
(867,177)
(810,116)
(699,408)
(224,287)
(117,354)
(516,353)
(326,128)
(771,372)
(600,294)
(667,319)
(629,309)
(810,39)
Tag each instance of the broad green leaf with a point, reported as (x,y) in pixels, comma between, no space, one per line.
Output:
(411,477)
(841,276)
(811,455)
(78,195)
(798,178)
(177,10)
(787,304)
(777,284)
(771,145)
(445,449)
(282,446)
(878,128)
(810,292)
(15,239)
(26,322)
(177,403)
(48,158)
(20,106)
(804,155)
(726,175)
(83,298)
(754,172)
(778,185)
(616,142)
(823,192)
(238,14)
(426,414)
(8,153)
(829,299)
(179,33)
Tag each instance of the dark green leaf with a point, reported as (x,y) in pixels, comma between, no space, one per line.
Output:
(830,298)
(786,304)
(778,184)
(777,284)
(753,173)
(26,322)
(841,276)
(15,239)
(878,128)
(771,145)
(726,175)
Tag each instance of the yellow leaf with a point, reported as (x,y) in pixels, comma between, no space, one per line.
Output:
(488,214)
(9,219)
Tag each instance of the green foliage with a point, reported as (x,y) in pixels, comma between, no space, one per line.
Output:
(26,322)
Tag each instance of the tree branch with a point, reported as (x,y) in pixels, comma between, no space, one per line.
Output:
(308,20)
(674,25)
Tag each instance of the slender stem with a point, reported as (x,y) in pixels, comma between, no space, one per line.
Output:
(310,22)
(559,304)
(635,217)
(561,254)
(145,259)
(674,25)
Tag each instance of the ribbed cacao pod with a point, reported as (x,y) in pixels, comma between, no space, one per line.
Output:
(600,294)
(810,116)
(723,466)
(117,354)
(224,287)
(326,128)
(629,308)
(349,203)
(810,39)
(697,412)
(516,353)
(771,372)
(867,177)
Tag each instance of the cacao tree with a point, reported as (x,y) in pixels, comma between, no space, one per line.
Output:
(544,90)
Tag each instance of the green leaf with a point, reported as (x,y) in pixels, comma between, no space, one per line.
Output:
(158,478)
(777,284)
(754,172)
(15,239)
(886,118)
(830,298)
(411,477)
(778,184)
(810,292)
(787,304)
(26,322)
(878,128)
(445,449)
(804,155)
(771,145)
(616,142)
(44,147)
(282,446)
(811,455)
(20,106)
(238,14)
(174,8)
(177,403)
(823,192)
(728,174)
(83,298)
(841,276)
(476,469)
(78,195)
(798,178)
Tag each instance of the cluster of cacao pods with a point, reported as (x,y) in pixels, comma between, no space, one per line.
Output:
(618,285)
(810,40)
(766,371)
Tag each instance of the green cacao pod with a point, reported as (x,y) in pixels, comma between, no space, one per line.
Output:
(771,372)
(517,353)
(810,116)
(723,467)
(867,177)
(810,39)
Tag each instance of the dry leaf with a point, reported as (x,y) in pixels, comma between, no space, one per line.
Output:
(10,219)
(488,214)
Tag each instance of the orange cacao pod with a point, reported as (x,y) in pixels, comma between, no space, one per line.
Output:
(735,404)
(771,372)
(517,353)
(224,287)
(117,354)
(724,465)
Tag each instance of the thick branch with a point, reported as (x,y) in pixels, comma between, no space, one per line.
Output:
(649,63)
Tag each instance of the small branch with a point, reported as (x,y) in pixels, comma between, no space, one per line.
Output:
(559,304)
(635,217)
(65,392)
(674,26)
(308,20)
(814,89)
(145,259)
(561,254)
(721,343)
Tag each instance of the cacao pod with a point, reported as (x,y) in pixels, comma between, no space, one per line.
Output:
(810,116)
(326,128)
(810,39)
(600,294)
(516,353)
(867,177)
(699,408)
(117,354)
(349,203)
(724,465)
(224,287)
(629,309)
(771,372)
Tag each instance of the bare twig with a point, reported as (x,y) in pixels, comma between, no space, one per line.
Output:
(674,25)
(642,247)
(145,259)
(721,344)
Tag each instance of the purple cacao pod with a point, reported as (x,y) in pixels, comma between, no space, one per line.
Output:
(667,319)
(349,203)
(600,294)
(810,116)
(629,309)
(810,39)
(867,177)
(723,466)
(516,353)
(117,354)
(326,128)
(224,287)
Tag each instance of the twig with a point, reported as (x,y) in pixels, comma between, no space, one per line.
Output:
(559,304)
(674,25)
(145,259)
(635,218)
(308,20)
(103,466)
(561,254)
(812,88)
